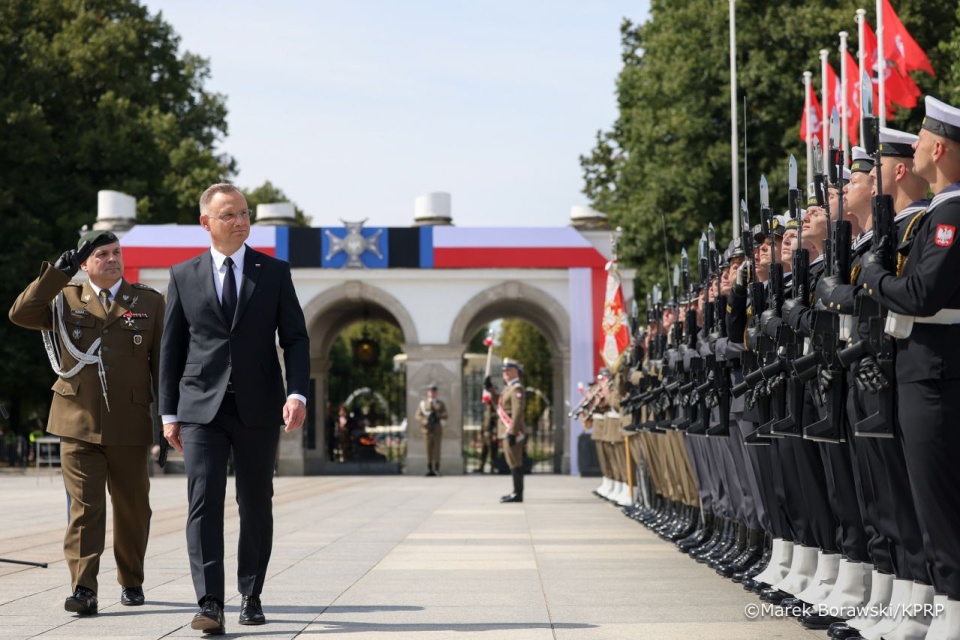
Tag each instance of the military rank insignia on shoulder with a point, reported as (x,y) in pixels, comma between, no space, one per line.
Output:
(137,285)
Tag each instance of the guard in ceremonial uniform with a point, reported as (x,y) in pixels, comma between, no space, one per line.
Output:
(431,413)
(488,426)
(925,301)
(104,336)
(510,409)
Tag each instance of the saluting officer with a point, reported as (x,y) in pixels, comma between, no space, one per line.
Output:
(510,410)
(107,331)
(926,297)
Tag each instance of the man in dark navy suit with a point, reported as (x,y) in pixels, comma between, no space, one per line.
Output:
(221,389)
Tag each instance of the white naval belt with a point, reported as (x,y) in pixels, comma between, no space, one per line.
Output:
(944,316)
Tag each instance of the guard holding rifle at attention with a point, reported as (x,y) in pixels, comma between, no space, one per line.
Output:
(431,412)
(510,408)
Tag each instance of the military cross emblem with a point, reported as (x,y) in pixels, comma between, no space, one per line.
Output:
(354,244)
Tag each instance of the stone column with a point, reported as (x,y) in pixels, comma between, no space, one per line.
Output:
(440,364)
(293,457)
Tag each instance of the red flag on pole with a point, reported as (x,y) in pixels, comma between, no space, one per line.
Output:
(899,90)
(900,47)
(811,114)
(853,99)
(616,329)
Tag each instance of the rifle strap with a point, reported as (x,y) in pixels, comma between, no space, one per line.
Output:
(908,235)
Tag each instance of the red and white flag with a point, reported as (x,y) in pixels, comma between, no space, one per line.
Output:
(899,46)
(900,90)
(812,115)
(615,327)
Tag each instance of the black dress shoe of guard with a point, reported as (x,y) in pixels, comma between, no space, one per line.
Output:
(131,596)
(82,602)
(210,617)
(775,596)
(819,622)
(846,632)
(837,628)
(513,497)
(795,607)
(251,611)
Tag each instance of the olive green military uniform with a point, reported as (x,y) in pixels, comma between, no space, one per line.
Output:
(100,446)
(510,409)
(430,415)
(488,435)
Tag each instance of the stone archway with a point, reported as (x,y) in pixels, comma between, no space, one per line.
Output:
(327,315)
(516,299)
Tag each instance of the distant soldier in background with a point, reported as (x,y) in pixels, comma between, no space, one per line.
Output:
(488,426)
(431,414)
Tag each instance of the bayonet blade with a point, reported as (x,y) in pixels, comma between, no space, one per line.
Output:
(711,237)
(792,172)
(676,275)
(656,294)
(684,260)
(866,95)
(817,157)
(764,193)
(744,215)
(835,129)
(702,248)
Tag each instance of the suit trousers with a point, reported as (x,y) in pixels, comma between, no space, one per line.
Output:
(87,470)
(206,448)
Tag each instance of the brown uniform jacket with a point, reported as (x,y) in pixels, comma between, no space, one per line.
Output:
(130,348)
(424,409)
(511,408)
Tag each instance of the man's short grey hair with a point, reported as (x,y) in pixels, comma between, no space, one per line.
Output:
(212,190)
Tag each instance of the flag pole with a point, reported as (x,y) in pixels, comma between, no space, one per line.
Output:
(824,101)
(881,67)
(845,126)
(861,59)
(808,134)
(734,136)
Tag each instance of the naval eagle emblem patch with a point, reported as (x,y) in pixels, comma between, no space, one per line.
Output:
(944,235)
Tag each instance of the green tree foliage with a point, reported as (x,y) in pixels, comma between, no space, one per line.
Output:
(268,193)
(521,341)
(346,375)
(95,96)
(668,152)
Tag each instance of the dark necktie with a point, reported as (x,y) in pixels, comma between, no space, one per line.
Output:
(229,298)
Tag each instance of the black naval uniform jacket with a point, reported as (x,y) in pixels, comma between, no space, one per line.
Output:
(928,284)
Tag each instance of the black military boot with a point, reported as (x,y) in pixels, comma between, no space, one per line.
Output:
(517,495)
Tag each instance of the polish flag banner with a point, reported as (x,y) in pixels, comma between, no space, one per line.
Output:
(615,325)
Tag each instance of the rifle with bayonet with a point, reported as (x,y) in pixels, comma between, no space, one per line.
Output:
(871,358)
(829,328)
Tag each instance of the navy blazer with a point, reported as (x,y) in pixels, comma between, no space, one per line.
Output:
(200,352)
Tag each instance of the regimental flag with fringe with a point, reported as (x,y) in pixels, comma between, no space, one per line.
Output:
(615,325)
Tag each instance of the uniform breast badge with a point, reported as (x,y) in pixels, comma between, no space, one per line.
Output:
(137,339)
(77,333)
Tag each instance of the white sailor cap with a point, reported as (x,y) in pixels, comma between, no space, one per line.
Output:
(941,118)
(846,174)
(862,161)
(894,142)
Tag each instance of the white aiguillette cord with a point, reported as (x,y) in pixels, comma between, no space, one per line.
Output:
(91,356)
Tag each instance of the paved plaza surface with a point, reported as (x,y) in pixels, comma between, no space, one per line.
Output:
(391,557)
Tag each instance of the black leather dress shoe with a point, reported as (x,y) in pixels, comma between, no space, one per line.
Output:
(131,596)
(819,622)
(83,602)
(210,617)
(513,497)
(251,611)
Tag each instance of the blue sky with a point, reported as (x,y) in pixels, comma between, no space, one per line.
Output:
(356,107)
